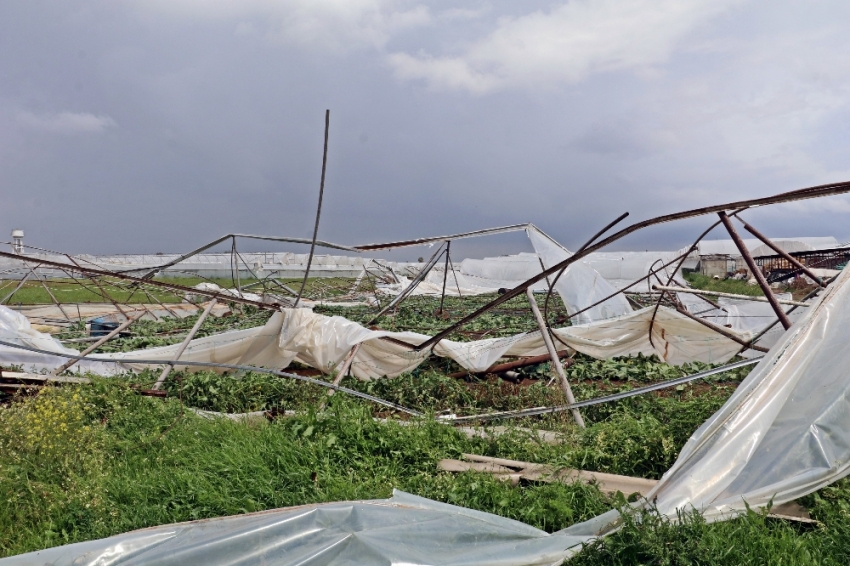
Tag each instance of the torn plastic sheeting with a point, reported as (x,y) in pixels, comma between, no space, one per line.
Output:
(322,342)
(619,269)
(15,328)
(403,530)
(580,285)
(784,432)
(743,316)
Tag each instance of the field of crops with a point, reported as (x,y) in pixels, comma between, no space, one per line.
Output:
(89,461)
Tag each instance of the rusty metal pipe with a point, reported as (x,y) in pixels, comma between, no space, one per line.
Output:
(553,355)
(788,257)
(507,366)
(754,269)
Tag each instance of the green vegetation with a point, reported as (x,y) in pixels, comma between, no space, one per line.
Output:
(419,314)
(70,291)
(89,461)
(707,283)
(83,290)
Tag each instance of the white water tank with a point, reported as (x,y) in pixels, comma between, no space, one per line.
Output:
(18,241)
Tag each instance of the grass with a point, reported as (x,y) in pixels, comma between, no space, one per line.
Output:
(70,291)
(85,462)
(704,282)
(89,461)
(99,464)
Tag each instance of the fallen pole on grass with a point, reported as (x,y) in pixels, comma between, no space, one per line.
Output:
(508,366)
(514,471)
(537,411)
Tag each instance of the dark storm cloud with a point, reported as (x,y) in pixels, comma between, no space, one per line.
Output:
(156,126)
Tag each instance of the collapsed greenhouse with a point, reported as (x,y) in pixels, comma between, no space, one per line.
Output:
(779,434)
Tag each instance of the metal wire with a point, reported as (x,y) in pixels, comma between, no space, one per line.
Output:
(318,209)
(607,399)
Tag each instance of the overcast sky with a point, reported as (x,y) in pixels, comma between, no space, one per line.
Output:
(158,125)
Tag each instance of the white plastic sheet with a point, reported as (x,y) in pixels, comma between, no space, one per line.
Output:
(16,329)
(580,286)
(506,271)
(323,341)
(405,531)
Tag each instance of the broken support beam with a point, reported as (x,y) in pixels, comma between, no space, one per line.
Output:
(515,470)
(727,295)
(788,257)
(723,332)
(754,269)
(97,344)
(553,355)
(185,343)
(507,366)
(346,365)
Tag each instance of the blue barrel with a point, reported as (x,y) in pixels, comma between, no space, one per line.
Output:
(103,326)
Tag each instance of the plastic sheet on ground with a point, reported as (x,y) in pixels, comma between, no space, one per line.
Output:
(16,329)
(323,341)
(403,530)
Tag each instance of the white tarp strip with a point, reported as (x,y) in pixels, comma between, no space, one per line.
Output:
(323,341)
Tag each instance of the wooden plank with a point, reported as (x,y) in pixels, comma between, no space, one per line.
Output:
(449,465)
(607,483)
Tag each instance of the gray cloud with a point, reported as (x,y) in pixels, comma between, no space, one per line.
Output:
(193,119)
(66,122)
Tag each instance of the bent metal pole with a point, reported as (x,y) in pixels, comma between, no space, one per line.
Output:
(553,355)
(754,269)
(185,343)
(785,255)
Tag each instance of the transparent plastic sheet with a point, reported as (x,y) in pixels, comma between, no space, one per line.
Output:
(457,285)
(580,286)
(784,433)
(506,271)
(743,316)
(621,269)
(404,530)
